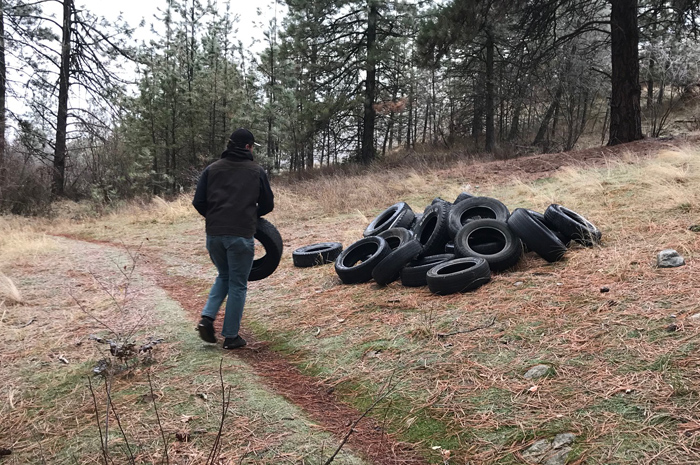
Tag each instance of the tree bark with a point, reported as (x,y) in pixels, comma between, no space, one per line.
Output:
(3,91)
(515,121)
(490,130)
(625,111)
(542,132)
(650,85)
(478,116)
(59,158)
(367,154)
(409,126)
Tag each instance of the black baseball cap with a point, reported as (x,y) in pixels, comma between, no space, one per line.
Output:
(242,137)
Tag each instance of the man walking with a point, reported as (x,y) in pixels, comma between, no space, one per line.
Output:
(231,194)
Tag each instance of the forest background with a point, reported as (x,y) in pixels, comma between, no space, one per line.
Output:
(334,84)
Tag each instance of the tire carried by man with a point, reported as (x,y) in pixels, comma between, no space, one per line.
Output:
(269,237)
(316,254)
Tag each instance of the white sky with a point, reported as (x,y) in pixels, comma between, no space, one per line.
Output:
(133,11)
(254,17)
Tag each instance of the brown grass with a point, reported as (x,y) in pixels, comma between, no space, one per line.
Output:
(625,364)
(22,238)
(613,353)
(9,294)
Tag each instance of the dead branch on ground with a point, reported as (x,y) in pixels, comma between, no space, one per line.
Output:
(470,330)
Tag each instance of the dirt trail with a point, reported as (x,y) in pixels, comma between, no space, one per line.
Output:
(310,394)
(317,400)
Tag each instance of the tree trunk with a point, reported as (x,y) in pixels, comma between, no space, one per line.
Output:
(433,108)
(425,121)
(490,136)
(542,132)
(3,91)
(625,112)
(59,158)
(367,154)
(190,81)
(662,84)
(515,122)
(478,116)
(409,125)
(271,116)
(650,85)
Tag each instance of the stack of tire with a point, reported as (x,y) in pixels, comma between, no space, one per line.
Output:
(454,247)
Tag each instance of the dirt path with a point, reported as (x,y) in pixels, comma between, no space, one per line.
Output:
(317,400)
(310,394)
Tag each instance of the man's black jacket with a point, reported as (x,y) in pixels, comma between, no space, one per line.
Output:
(232,193)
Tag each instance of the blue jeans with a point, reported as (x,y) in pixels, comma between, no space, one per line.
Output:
(233,257)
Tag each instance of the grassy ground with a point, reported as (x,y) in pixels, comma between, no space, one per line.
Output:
(625,369)
(72,290)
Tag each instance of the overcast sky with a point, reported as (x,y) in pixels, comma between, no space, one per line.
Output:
(251,14)
(133,11)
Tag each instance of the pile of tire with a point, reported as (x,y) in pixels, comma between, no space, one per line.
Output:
(453,246)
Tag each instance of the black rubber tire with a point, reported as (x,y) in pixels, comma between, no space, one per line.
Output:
(487,248)
(458,275)
(413,274)
(538,237)
(462,196)
(396,215)
(507,250)
(416,220)
(440,200)
(450,247)
(355,264)
(565,240)
(475,208)
(269,237)
(316,254)
(389,269)
(431,231)
(405,220)
(396,237)
(573,225)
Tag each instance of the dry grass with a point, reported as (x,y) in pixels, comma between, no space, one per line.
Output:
(47,409)
(9,294)
(22,238)
(158,210)
(624,362)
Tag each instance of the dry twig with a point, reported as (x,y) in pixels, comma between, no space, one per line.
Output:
(160,425)
(476,328)
(225,403)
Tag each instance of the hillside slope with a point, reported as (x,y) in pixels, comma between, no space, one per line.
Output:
(448,371)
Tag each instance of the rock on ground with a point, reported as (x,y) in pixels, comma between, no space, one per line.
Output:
(669,258)
(554,452)
(538,371)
